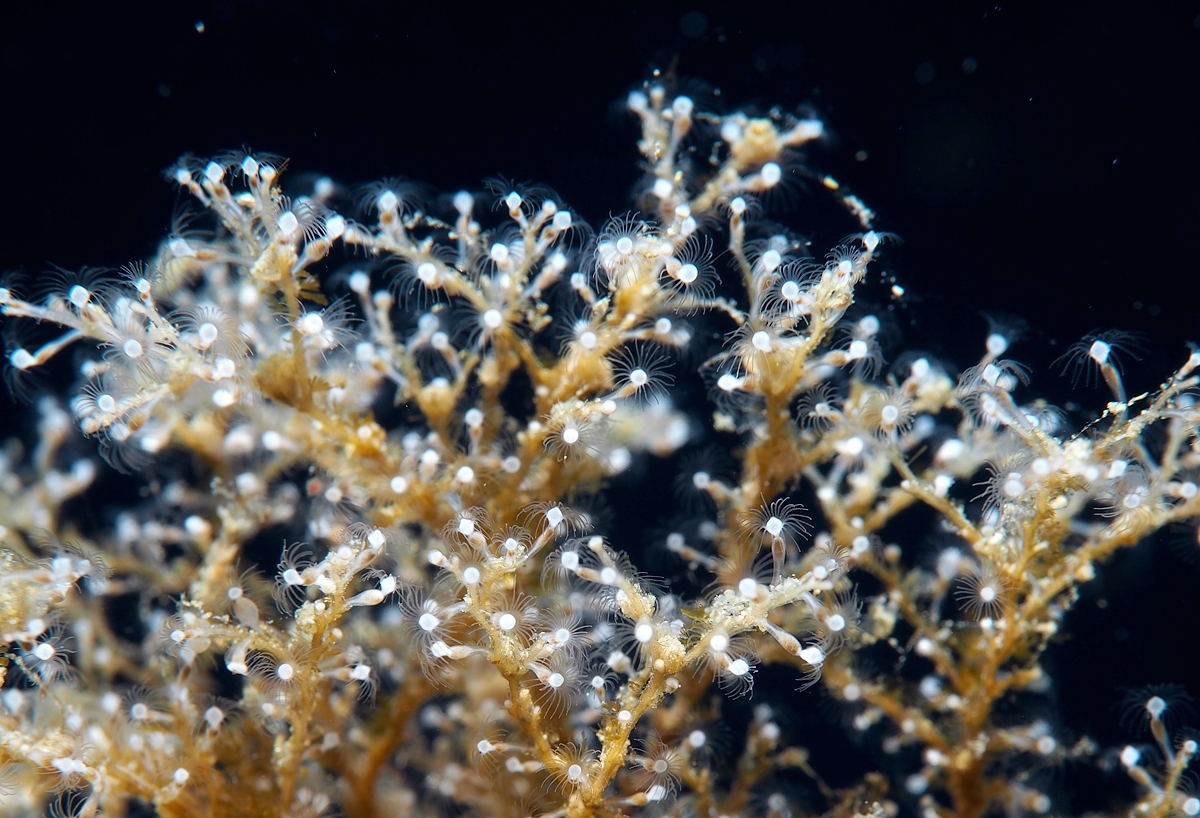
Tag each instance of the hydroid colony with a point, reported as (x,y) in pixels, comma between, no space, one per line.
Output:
(456,634)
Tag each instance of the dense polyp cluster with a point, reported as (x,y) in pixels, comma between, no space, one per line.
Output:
(458,632)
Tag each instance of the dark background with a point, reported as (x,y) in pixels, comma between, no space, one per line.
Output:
(1037,159)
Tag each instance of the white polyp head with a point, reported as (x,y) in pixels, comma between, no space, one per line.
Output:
(718,643)
(554,516)
(761,341)
(106,403)
(335,227)
(624,245)
(44,651)
(555,680)
(638,378)
(1156,706)
(773,526)
(427,273)
(428,622)
(890,414)
(643,632)
(574,773)
(987,594)
(499,253)
(662,188)
(771,173)
(857,350)
(464,475)
(506,622)
(790,290)
(731,132)
(388,202)
(312,324)
(688,273)
(562,220)
(214,172)
(464,202)
(1099,352)
(207,334)
(569,560)
(771,260)
(813,655)
(471,575)
(570,435)
(286,672)
(214,717)
(697,739)
(132,348)
(513,200)
(588,340)
(682,106)
(836,623)
(728,382)
(21,359)
(748,587)
(492,319)
(738,667)
(288,224)
(79,295)
(996,344)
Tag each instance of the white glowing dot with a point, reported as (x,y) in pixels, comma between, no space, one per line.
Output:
(427,273)
(739,667)
(465,474)
(555,680)
(181,776)
(688,273)
(570,435)
(399,485)
(44,651)
(506,622)
(428,622)
(836,623)
(132,348)
(569,560)
(139,712)
(106,403)
(748,587)
(773,526)
(624,245)
(644,632)
(470,575)
(574,773)
(761,341)
(719,643)
(285,671)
